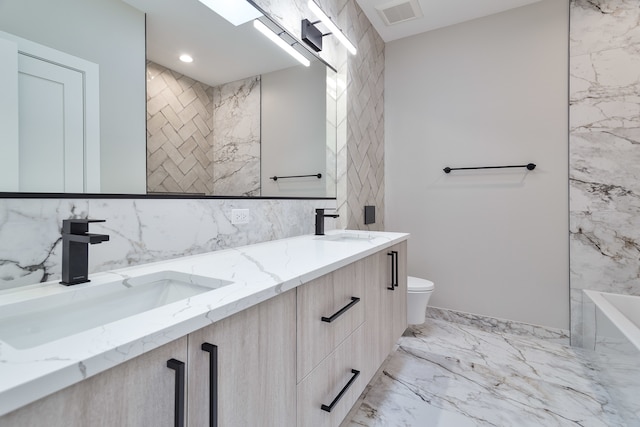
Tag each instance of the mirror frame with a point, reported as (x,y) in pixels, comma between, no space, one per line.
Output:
(35,195)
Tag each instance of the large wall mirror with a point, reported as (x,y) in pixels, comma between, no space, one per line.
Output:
(94,103)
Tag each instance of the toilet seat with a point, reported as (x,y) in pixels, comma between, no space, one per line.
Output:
(415,284)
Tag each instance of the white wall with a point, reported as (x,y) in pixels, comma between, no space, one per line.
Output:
(288,146)
(492,91)
(111,34)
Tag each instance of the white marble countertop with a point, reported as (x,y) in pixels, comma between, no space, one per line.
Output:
(258,272)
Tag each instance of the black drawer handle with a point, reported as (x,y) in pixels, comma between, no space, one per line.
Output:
(354,301)
(395,269)
(213,382)
(178,366)
(342,392)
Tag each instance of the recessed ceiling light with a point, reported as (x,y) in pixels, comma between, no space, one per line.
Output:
(186,58)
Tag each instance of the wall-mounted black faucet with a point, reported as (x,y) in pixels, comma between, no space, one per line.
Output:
(320,216)
(75,249)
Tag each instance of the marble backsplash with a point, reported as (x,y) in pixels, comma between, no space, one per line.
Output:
(140,230)
(604,151)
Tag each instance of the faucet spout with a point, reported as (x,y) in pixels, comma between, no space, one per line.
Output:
(89,238)
(75,250)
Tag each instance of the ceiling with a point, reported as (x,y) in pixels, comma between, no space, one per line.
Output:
(436,14)
(222,52)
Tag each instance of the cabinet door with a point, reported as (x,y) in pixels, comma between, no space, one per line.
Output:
(379,295)
(140,392)
(329,309)
(400,295)
(386,317)
(256,367)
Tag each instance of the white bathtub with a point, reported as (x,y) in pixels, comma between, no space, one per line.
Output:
(622,310)
(612,330)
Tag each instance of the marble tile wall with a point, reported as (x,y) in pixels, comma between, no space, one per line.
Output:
(179,133)
(360,141)
(604,151)
(236,138)
(140,230)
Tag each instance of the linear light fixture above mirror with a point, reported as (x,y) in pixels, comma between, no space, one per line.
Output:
(235,11)
(311,35)
(280,42)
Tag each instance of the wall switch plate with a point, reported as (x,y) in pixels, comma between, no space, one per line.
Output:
(369,214)
(239,216)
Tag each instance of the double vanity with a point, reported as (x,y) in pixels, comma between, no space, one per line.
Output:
(282,333)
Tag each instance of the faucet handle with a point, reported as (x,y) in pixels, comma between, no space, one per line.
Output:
(78,225)
(82,220)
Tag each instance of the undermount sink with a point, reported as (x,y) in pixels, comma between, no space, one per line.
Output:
(347,237)
(41,320)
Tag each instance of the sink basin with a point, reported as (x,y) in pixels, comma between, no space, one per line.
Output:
(41,320)
(346,237)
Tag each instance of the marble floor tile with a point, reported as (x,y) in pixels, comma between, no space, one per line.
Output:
(446,374)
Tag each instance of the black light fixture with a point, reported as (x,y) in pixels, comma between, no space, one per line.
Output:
(313,36)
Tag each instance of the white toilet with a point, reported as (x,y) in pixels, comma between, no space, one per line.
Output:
(418,293)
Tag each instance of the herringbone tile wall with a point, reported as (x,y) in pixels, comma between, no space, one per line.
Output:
(179,134)
(365,120)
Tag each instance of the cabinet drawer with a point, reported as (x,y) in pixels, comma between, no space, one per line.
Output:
(328,380)
(338,298)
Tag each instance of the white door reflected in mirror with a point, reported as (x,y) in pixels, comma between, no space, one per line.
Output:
(56,151)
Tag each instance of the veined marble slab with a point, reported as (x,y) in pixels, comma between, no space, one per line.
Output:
(258,272)
(452,375)
(604,150)
(140,230)
(492,324)
(236,138)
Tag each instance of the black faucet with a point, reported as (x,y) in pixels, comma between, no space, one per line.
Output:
(320,216)
(75,249)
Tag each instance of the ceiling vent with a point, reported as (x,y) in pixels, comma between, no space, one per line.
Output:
(399,11)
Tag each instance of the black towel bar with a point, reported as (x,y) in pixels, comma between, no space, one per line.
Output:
(529,166)
(275,178)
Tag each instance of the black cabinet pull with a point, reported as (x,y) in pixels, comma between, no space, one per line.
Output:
(395,268)
(213,382)
(178,366)
(354,301)
(342,392)
(393,272)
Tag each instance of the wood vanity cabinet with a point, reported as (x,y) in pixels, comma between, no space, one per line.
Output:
(139,392)
(256,367)
(337,360)
(256,379)
(299,359)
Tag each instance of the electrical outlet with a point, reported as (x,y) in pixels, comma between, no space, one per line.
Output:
(239,216)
